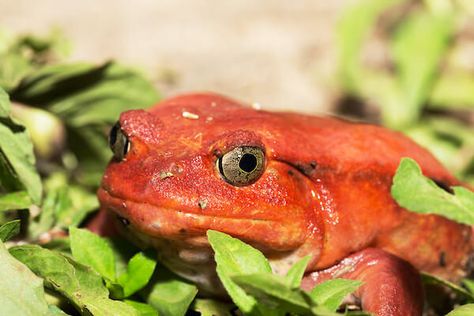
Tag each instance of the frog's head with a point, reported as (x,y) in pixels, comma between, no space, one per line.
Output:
(200,162)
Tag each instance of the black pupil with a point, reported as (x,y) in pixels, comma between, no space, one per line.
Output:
(248,162)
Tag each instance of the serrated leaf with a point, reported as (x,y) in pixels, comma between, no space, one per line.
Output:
(420,194)
(21,292)
(296,272)
(9,230)
(233,257)
(85,247)
(15,201)
(331,293)
(17,161)
(274,292)
(168,294)
(78,283)
(464,310)
(139,271)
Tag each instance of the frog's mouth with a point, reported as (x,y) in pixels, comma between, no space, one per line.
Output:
(174,224)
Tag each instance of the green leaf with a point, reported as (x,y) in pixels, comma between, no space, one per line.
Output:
(53,310)
(142,308)
(353,28)
(233,257)
(464,310)
(92,250)
(15,201)
(419,194)
(139,271)
(85,94)
(296,272)
(331,293)
(453,90)
(208,307)
(449,140)
(80,284)
(274,292)
(469,284)
(21,55)
(17,161)
(417,58)
(21,292)
(432,279)
(168,294)
(9,230)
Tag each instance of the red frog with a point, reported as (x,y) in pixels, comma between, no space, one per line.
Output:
(289,184)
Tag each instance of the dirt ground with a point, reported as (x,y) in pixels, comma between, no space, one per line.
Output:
(280,54)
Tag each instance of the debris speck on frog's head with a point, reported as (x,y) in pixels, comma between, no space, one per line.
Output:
(202,204)
(165,174)
(189,115)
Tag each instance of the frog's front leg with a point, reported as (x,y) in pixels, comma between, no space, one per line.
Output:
(391,286)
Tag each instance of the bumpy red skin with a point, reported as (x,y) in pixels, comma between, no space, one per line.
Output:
(325,192)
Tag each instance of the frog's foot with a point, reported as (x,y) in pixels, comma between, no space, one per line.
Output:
(391,286)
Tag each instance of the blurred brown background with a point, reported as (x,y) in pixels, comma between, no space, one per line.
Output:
(280,54)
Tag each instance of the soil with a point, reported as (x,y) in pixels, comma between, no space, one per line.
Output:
(280,54)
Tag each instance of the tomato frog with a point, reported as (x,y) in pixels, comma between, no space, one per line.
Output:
(290,185)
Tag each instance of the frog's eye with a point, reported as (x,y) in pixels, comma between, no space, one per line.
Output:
(242,165)
(118,142)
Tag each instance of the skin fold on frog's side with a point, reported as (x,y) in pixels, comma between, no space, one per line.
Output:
(288,184)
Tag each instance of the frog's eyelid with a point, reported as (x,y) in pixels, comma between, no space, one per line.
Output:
(113,134)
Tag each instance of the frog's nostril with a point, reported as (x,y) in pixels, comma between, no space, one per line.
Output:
(123,220)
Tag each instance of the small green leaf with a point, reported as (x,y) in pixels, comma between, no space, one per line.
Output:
(9,230)
(139,271)
(90,249)
(21,292)
(296,272)
(274,292)
(15,201)
(208,307)
(168,294)
(233,257)
(464,310)
(419,194)
(331,293)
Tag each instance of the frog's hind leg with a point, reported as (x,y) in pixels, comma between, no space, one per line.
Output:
(390,285)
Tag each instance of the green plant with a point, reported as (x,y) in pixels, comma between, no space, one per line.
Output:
(421,77)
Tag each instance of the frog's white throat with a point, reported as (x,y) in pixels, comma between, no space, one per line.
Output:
(196,263)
